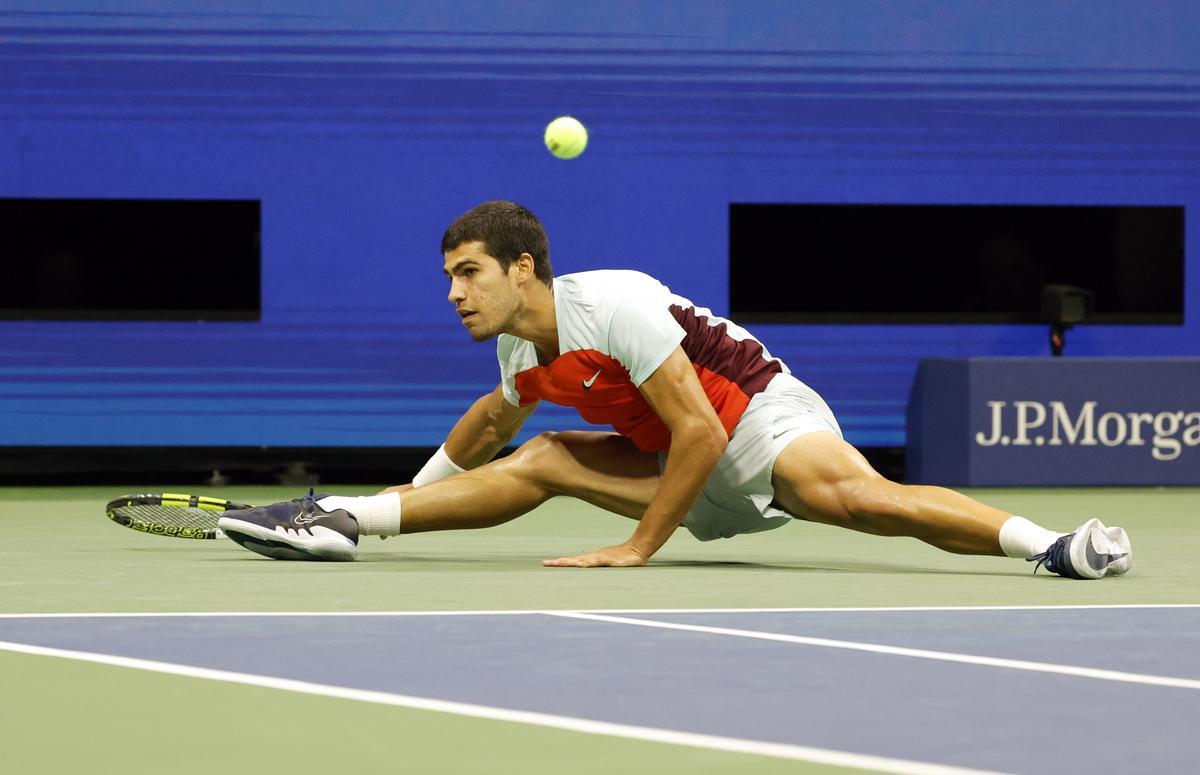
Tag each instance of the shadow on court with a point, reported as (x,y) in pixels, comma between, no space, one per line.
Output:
(442,562)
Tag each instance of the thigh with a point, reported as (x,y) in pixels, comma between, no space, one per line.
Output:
(604,469)
(818,474)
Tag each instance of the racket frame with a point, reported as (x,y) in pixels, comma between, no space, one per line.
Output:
(113,510)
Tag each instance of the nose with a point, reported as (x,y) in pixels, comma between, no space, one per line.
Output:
(456,292)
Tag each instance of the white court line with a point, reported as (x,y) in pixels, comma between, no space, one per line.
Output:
(571,723)
(885,609)
(201,614)
(900,651)
(526,612)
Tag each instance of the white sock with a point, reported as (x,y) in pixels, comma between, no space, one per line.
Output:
(376,514)
(1021,538)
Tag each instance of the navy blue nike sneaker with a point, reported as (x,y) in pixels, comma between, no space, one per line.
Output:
(1091,552)
(294,530)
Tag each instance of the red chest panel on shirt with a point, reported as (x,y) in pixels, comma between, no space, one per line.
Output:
(599,388)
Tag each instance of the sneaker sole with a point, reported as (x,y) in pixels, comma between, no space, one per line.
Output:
(1119,541)
(1080,545)
(325,545)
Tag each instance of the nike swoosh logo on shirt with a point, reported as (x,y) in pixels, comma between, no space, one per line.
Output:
(587,383)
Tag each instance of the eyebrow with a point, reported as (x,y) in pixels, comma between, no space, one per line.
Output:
(461,262)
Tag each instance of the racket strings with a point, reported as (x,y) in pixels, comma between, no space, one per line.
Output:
(173,516)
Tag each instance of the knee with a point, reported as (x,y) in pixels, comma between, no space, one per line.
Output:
(538,449)
(540,458)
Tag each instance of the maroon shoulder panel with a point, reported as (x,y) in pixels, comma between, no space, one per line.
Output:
(741,362)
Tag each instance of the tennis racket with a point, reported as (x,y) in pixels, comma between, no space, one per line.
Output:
(171,514)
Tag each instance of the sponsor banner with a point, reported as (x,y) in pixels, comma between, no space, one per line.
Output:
(1055,421)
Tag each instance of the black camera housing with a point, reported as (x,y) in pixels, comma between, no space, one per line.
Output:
(1062,307)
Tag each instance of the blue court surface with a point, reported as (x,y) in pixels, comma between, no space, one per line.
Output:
(1005,689)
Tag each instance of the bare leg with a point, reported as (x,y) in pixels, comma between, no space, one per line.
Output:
(603,469)
(821,478)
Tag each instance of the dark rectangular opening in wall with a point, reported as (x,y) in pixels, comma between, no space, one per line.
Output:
(130,259)
(827,263)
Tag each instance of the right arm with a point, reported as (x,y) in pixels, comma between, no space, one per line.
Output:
(486,428)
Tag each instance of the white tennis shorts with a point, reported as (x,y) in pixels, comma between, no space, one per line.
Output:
(738,496)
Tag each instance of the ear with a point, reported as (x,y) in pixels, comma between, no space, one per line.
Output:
(525,267)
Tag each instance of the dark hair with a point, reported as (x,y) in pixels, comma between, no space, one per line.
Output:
(506,230)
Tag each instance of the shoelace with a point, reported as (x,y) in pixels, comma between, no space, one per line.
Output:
(307,503)
(307,499)
(1052,558)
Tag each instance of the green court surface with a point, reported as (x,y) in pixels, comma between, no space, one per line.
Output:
(60,554)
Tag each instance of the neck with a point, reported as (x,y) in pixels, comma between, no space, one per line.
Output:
(537,322)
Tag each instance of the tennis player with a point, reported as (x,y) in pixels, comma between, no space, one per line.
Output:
(711,431)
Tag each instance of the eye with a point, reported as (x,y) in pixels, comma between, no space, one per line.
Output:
(471,272)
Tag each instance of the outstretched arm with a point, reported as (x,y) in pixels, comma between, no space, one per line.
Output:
(697,441)
(485,429)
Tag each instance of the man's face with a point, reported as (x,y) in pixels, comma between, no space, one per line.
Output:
(484,295)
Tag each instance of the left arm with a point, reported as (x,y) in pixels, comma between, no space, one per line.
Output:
(697,441)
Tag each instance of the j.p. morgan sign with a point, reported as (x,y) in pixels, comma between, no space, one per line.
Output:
(1056,421)
(1026,423)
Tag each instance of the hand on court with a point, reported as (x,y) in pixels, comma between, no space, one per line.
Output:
(620,556)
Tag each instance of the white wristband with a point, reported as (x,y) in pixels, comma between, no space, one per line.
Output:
(437,467)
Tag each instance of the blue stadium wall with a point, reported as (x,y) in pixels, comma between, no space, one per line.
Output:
(365,127)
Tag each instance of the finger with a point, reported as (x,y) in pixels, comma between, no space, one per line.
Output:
(564,562)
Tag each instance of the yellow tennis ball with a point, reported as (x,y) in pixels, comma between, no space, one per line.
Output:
(566,137)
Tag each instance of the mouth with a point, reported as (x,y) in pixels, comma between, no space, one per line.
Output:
(467,315)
